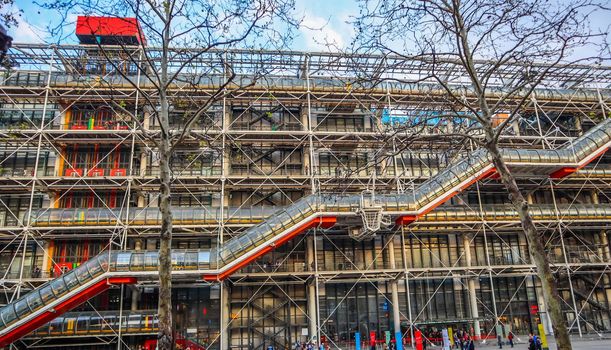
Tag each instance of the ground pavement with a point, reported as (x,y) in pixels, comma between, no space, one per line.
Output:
(587,342)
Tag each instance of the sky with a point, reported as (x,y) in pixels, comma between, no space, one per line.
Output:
(324,22)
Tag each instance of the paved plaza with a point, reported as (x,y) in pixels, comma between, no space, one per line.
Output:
(585,343)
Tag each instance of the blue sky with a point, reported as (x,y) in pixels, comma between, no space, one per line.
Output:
(324,21)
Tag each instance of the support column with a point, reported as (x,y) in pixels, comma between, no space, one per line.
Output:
(143,162)
(604,242)
(396,316)
(311,292)
(604,252)
(47,258)
(146,120)
(59,161)
(466,239)
(543,314)
(135,290)
(224,326)
(305,155)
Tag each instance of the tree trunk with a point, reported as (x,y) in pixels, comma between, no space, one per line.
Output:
(536,246)
(164,337)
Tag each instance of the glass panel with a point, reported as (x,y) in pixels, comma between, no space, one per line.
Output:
(7,314)
(191,260)
(21,307)
(34,300)
(123,260)
(58,286)
(137,262)
(81,324)
(150,260)
(46,293)
(70,279)
(82,274)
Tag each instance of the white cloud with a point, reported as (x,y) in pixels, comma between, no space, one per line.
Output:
(25,32)
(319,34)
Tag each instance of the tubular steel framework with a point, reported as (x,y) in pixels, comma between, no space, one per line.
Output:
(268,193)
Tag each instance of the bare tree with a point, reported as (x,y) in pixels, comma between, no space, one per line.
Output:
(172,50)
(479,39)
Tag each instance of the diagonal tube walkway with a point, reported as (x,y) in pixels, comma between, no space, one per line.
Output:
(125,267)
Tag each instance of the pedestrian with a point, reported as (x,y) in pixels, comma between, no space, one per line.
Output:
(531,342)
(537,342)
(471,344)
(510,338)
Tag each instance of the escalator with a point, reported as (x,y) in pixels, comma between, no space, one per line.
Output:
(122,267)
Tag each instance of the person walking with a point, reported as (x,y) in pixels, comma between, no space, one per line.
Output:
(510,338)
(531,342)
(538,342)
(471,344)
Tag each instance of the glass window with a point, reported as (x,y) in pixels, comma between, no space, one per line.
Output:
(123,260)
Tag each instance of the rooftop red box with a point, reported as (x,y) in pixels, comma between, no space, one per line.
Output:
(109,31)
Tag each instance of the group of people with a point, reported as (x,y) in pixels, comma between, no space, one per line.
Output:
(463,340)
(309,345)
(534,342)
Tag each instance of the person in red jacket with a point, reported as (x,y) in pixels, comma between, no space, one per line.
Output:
(510,338)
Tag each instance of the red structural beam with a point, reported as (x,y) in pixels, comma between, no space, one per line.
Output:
(324,222)
(63,307)
(566,171)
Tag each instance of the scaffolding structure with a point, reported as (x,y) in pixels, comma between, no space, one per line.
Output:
(79,187)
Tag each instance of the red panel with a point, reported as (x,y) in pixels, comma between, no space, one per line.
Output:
(67,305)
(324,222)
(328,221)
(405,220)
(122,280)
(95,172)
(74,172)
(61,268)
(562,172)
(89,27)
(118,172)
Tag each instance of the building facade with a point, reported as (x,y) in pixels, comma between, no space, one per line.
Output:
(79,188)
